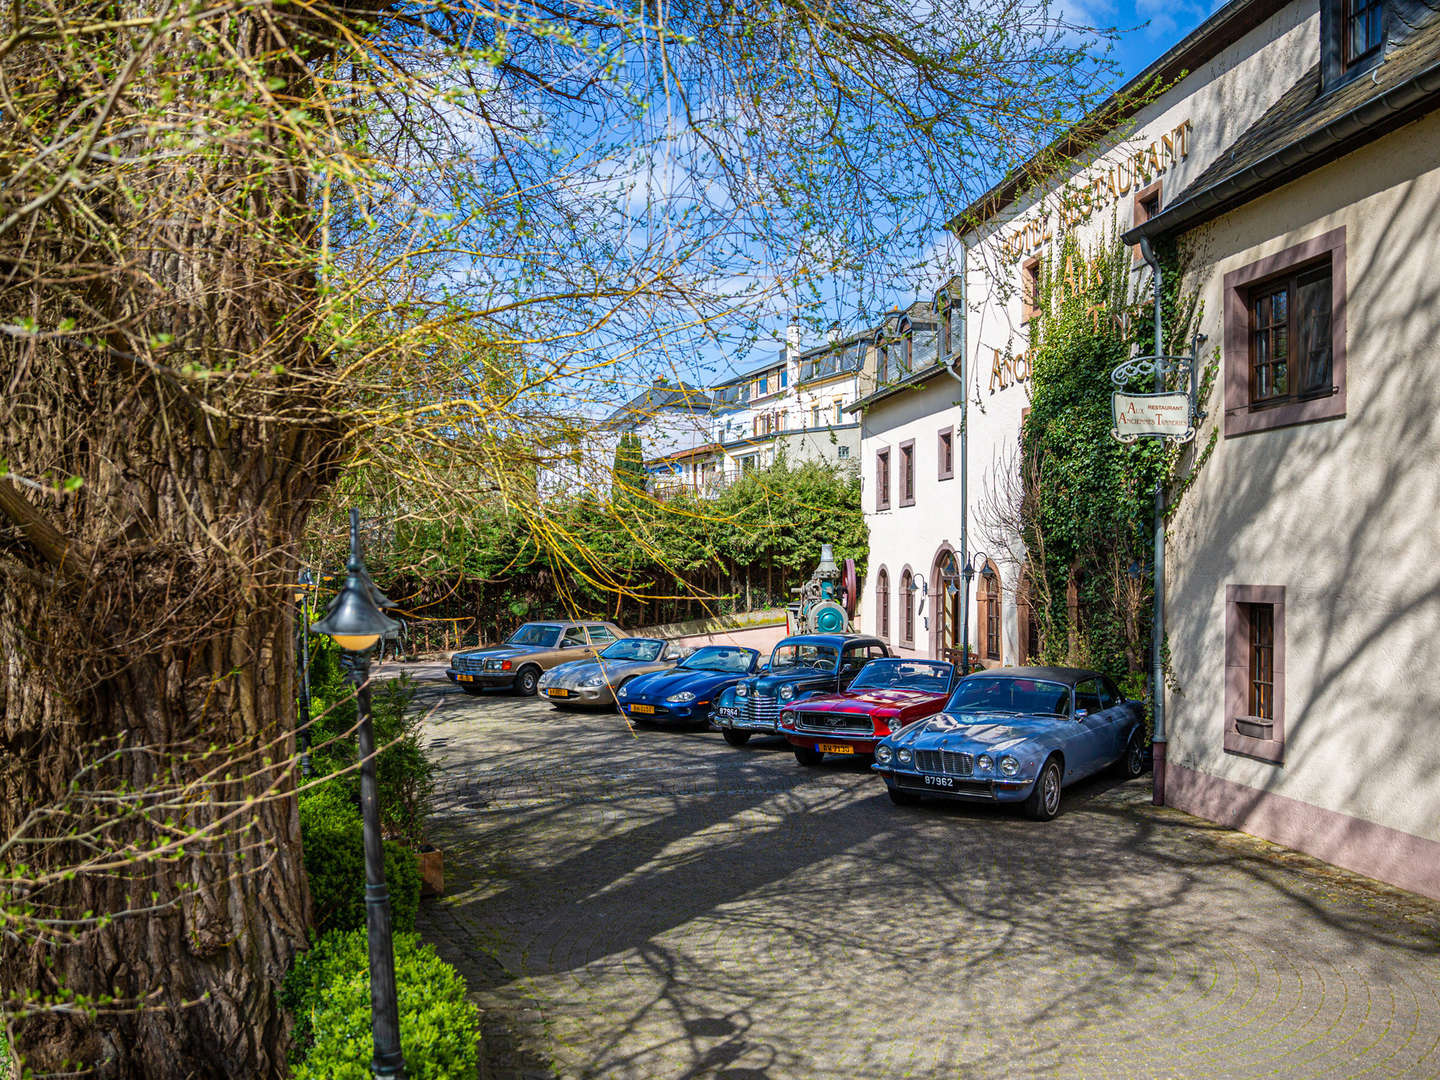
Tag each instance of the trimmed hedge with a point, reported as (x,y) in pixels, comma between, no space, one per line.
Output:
(328,991)
(334,839)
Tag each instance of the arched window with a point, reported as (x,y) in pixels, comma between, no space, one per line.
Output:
(1028,618)
(907,608)
(987,614)
(949,601)
(882,604)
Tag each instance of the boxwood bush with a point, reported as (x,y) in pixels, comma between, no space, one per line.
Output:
(328,992)
(334,840)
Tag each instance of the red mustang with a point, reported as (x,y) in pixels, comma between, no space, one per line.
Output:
(885,696)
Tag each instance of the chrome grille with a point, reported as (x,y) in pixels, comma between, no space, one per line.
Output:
(471,664)
(761,709)
(824,721)
(944,762)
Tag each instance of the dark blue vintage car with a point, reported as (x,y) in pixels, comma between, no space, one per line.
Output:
(1016,735)
(800,666)
(685,693)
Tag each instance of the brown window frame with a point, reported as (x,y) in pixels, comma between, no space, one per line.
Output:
(1249,731)
(1142,213)
(1349,9)
(1244,416)
(907,608)
(1288,285)
(994,631)
(907,472)
(882,478)
(945,454)
(882,604)
(1029,289)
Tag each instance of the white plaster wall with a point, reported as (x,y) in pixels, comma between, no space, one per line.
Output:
(1343,513)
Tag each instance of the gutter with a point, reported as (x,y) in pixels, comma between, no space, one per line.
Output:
(1363,124)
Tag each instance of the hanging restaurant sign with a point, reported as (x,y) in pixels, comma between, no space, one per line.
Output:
(1164,416)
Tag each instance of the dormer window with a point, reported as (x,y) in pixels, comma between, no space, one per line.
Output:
(882,359)
(1363,30)
(1352,38)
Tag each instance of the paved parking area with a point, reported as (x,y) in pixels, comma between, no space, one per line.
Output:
(653,904)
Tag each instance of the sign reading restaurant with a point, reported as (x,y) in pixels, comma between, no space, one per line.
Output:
(1079,201)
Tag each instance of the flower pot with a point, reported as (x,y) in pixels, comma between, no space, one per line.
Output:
(432,870)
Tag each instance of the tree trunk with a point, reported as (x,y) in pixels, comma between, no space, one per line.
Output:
(151,605)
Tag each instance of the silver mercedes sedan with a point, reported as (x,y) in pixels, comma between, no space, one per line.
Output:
(594,682)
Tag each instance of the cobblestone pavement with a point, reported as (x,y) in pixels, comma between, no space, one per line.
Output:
(657,905)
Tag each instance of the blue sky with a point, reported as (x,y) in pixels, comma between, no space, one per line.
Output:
(1149,28)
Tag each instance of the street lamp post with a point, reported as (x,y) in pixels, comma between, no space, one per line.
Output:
(304,590)
(356,623)
(968,573)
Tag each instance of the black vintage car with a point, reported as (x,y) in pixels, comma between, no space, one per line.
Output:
(800,666)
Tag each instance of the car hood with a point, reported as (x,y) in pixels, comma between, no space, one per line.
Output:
(661,684)
(770,684)
(869,701)
(577,671)
(979,732)
(503,652)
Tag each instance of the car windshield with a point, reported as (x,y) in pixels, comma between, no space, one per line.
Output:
(720,658)
(795,655)
(534,633)
(926,675)
(1013,695)
(634,649)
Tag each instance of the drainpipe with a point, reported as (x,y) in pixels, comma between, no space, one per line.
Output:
(1157,626)
(964,507)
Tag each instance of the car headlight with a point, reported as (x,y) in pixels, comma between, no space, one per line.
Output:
(492,665)
(742,690)
(904,755)
(591,681)
(625,691)
(678,699)
(984,763)
(883,754)
(1009,766)
(787,692)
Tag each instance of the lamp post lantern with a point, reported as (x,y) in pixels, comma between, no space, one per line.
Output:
(968,573)
(356,623)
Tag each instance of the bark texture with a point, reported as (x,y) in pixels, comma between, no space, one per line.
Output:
(160,347)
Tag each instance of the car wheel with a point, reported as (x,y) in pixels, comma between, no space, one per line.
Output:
(526,681)
(901,797)
(1044,801)
(735,738)
(805,756)
(1132,764)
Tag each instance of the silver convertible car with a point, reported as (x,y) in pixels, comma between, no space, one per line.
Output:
(594,682)
(1016,735)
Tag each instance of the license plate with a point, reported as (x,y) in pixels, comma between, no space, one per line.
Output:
(464,678)
(646,709)
(834,748)
(728,714)
(556,691)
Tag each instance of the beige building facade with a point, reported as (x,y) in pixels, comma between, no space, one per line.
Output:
(1296,160)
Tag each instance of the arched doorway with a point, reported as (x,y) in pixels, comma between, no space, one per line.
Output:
(989,641)
(946,601)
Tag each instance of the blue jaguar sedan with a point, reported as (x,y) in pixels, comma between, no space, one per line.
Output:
(685,693)
(1016,735)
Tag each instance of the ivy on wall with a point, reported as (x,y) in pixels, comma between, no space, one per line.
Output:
(1086,512)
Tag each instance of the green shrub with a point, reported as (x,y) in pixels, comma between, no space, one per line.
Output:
(328,992)
(334,840)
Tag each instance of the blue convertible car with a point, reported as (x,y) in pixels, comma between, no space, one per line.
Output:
(1016,735)
(685,693)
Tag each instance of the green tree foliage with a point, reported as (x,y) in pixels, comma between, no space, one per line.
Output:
(1086,510)
(662,560)
(629,469)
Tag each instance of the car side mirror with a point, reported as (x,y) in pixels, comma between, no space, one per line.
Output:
(1080,714)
